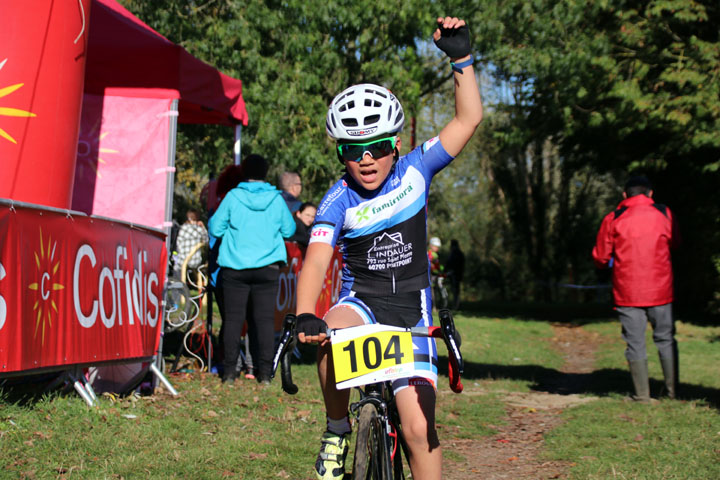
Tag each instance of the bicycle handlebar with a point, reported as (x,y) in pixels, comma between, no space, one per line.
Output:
(446,331)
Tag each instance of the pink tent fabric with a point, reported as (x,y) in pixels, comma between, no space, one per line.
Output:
(128,58)
(132,77)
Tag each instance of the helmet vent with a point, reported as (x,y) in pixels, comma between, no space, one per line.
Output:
(349,122)
(347,106)
(372,119)
(399,117)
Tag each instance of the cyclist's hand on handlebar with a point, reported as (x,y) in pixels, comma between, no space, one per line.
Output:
(311,329)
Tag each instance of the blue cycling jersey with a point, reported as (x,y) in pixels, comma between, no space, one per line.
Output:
(382,234)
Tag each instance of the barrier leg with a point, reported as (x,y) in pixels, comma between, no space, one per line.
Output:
(89,389)
(80,389)
(162,379)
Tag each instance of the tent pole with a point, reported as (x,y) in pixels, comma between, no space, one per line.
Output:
(238,144)
(169,189)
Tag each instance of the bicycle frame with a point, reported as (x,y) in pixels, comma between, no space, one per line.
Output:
(380,394)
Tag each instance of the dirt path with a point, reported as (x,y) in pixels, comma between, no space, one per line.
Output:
(512,453)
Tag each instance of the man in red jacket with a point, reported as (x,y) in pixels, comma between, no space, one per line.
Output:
(635,241)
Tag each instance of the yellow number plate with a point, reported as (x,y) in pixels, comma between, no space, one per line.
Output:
(371,353)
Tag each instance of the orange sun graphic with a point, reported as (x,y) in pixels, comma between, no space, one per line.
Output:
(89,147)
(11,112)
(47,269)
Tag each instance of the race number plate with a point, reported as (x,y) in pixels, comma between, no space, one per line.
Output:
(371,353)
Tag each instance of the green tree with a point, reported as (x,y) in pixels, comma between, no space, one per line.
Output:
(293,57)
(620,85)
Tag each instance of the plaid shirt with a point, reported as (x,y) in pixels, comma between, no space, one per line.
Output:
(189,236)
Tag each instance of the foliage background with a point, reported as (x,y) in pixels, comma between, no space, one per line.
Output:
(578,95)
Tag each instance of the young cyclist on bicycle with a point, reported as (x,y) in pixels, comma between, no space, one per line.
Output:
(378,211)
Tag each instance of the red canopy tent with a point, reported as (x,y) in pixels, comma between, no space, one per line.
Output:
(138,84)
(78,290)
(127,57)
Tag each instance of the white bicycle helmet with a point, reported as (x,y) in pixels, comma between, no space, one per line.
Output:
(364,111)
(435,242)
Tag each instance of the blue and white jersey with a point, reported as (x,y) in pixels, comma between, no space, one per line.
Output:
(383,233)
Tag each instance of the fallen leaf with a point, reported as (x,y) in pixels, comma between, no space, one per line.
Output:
(256,456)
(212,413)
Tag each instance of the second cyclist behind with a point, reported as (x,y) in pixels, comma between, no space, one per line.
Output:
(378,211)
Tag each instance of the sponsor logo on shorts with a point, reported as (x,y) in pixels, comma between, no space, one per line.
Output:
(419,382)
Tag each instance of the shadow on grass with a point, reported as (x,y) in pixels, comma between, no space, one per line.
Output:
(601,383)
(578,313)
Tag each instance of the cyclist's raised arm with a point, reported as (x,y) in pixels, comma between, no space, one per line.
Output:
(310,280)
(452,37)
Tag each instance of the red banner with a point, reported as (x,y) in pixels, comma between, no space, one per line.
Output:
(286,299)
(76,289)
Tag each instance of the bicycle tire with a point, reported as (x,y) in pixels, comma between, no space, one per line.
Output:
(370,462)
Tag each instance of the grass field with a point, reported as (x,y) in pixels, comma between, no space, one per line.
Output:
(250,432)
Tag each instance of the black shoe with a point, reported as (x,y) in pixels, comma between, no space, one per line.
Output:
(229,378)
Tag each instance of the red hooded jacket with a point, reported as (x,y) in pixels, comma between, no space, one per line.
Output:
(638,237)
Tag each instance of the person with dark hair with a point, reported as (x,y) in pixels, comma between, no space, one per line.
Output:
(252,221)
(304,218)
(377,212)
(635,241)
(229,178)
(455,266)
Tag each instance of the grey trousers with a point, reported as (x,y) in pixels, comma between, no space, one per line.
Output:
(634,321)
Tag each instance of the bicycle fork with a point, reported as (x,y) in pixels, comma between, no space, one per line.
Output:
(389,435)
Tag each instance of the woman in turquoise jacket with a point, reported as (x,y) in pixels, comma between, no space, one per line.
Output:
(252,221)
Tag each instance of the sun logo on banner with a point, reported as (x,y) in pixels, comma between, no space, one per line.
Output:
(47,268)
(89,147)
(11,112)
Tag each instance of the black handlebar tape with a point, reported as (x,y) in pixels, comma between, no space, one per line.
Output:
(283,354)
(286,373)
(451,337)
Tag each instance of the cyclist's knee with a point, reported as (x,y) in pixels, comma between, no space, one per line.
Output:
(416,406)
(341,316)
(420,435)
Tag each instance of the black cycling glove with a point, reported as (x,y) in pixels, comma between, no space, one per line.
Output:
(455,42)
(310,325)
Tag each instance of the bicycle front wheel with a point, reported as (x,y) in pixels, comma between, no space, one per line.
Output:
(371,461)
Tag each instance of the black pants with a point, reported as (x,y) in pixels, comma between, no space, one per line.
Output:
(239,286)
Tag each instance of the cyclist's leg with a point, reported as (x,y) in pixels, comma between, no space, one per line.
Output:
(336,401)
(416,406)
(330,463)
